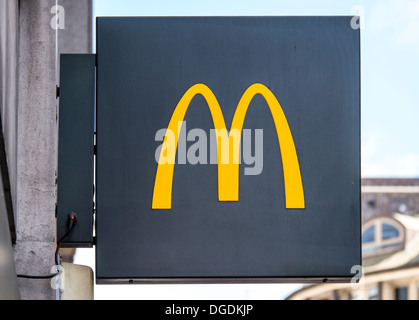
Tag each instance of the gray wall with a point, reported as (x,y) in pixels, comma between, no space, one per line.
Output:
(36,125)
(29,53)
(36,138)
(8,103)
(8,92)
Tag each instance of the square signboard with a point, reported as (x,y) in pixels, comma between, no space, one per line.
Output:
(179,200)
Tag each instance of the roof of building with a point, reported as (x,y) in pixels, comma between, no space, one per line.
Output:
(407,256)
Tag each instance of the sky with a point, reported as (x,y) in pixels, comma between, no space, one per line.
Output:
(389,104)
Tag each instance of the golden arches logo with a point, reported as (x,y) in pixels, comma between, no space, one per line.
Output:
(228,171)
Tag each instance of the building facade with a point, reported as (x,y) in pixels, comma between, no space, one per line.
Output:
(385,196)
(390,246)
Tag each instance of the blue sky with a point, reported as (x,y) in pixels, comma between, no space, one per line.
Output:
(389,89)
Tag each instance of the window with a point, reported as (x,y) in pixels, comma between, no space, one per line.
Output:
(382,235)
(368,235)
(373,293)
(389,231)
(401,293)
(371,203)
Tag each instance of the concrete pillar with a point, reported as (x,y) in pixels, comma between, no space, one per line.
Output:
(387,291)
(9,33)
(28,76)
(413,290)
(36,151)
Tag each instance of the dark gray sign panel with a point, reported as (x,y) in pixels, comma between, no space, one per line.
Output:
(75,174)
(297,218)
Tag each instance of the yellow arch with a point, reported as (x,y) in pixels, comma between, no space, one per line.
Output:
(228,173)
(294,192)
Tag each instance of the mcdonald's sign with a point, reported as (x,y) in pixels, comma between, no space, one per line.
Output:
(228,171)
(227,149)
